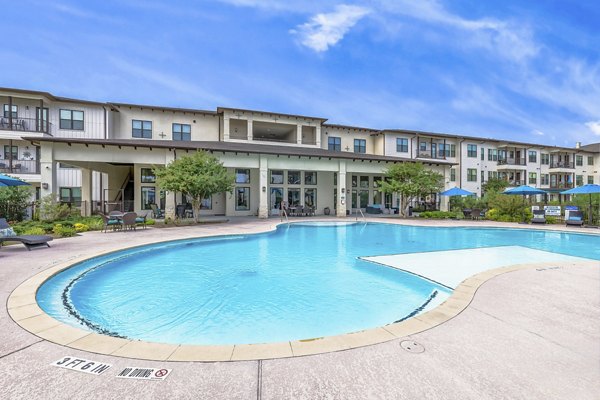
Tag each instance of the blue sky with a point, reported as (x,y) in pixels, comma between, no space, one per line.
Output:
(513,69)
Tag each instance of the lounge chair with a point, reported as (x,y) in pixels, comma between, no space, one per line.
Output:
(575,218)
(539,217)
(111,222)
(29,241)
(141,220)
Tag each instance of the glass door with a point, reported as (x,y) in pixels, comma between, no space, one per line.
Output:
(41,119)
(275,199)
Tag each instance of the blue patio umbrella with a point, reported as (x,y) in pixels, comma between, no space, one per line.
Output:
(524,190)
(6,180)
(455,191)
(585,189)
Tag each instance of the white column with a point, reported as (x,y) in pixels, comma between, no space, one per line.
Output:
(299,134)
(225,128)
(169,196)
(263,187)
(86,192)
(250,127)
(318,135)
(47,170)
(342,193)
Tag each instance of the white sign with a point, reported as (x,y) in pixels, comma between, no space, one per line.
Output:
(81,365)
(552,210)
(151,374)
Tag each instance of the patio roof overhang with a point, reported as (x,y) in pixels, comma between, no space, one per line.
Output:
(231,147)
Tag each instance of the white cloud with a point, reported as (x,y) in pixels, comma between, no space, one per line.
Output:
(326,29)
(538,132)
(594,126)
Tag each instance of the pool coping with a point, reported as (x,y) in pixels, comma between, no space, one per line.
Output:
(24,311)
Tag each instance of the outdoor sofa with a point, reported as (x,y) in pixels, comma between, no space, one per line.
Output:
(539,217)
(29,241)
(575,218)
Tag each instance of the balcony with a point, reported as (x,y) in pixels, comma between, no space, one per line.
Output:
(515,182)
(25,125)
(562,164)
(512,161)
(428,154)
(16,167)
(561,185)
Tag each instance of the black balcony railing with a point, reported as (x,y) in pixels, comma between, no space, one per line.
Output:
(562,164)
(429,154)
(512,161)
(19,167)
(561,185)
(25,125)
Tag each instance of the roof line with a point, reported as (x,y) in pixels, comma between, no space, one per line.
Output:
(190,110)
(221,109)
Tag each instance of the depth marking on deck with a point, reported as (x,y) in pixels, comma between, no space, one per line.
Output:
(149,374)
(81,365)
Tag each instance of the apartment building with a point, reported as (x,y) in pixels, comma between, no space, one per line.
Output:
(100,156)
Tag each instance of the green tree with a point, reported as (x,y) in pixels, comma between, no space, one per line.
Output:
(410,181)
(14,201)
(198,176)
(495,185)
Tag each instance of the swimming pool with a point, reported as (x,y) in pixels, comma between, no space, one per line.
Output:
(300,281)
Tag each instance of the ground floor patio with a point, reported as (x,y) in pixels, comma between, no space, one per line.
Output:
(531,334)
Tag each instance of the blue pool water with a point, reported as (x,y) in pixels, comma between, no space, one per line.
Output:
(301,281)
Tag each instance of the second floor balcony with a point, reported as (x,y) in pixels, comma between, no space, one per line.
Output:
(512,161)
(19,124)
(562,164)
(561,185)
(16,167)
(429,154)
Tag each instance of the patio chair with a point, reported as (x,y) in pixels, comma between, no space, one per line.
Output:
(141,220)
(575,218)
(29,241)
(539,217)
(129,221)
(111,222)
(157,212)
(475,214)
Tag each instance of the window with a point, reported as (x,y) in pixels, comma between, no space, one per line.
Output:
(141,129)
(452,150)
(402,145)
(310,178)
(310,197)
(206,203)
(532,156)
(242,198)
(294,197)
(242,176)
(422,146)
(276,177)
(482,176)
(65,166)
(334,143)
(335,179)
(533,177)
(492,175)
(71,195)
(579,161)
(71,119)
(472,174)
(545,159)
(294,177)
(590,160)
(11,152)
(472,150)
(360,146)
(364,182)
(14,111)
(545,179)
(182,132)
(482,154)
(492,155)
(354,181)
(590,179)
(578,180)
(148,197)
(452,175)
(377,181)
(147,175)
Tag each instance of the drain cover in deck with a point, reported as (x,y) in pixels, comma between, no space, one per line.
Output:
(412,346)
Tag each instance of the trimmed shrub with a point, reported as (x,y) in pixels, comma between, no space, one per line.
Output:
(63,231)
(439,214)
(150,222)
(34,231)
(79,227)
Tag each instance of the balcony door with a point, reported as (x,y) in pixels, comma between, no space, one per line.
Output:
(41,119)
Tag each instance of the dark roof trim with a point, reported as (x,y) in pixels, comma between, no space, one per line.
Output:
(174,109)
(231,147)
(221,109)
(358,128)
(51,96)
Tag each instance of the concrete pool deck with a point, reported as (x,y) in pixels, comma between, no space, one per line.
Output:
(532,333)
